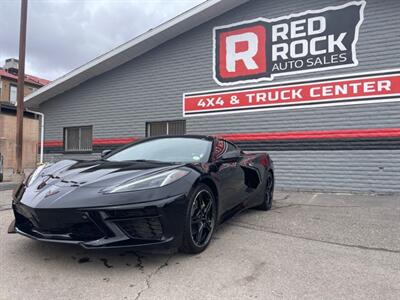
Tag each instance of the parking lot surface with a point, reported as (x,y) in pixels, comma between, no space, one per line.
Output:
(313,246)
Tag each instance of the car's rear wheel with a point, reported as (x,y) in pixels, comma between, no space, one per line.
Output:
(268,192)
(200,220)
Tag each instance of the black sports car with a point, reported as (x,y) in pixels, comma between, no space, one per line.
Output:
(167,191)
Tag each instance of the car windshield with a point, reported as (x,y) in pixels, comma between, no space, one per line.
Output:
(182,150)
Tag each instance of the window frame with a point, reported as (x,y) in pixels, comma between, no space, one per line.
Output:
(233,145)
(148,124)
(65,140)
(11,85)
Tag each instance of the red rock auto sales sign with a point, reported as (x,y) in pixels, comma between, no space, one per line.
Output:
(351,89)
(260,49)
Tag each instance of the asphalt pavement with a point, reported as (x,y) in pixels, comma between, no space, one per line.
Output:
(310,246)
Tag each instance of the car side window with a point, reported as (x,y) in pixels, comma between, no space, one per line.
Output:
(222,147)
(230,147)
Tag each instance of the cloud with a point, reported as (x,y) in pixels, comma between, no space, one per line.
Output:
(64,34)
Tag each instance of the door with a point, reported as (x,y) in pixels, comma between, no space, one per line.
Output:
(231,177)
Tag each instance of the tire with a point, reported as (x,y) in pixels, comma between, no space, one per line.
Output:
(269,192)
(1,177)
(200,220)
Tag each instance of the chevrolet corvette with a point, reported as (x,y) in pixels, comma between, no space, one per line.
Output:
(166,191)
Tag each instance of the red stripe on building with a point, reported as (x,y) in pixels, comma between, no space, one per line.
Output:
(291,135)
(321,134)
(114,141)
(53,143)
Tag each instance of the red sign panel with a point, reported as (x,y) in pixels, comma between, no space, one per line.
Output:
(247,46)
(332,91)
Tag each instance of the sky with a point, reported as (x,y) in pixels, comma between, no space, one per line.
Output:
(65,34)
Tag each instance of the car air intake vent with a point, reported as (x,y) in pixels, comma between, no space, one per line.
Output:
(144,228)
(85,232)
(132,213)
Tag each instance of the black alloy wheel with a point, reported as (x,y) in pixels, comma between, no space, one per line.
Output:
(200,220)
(268,192)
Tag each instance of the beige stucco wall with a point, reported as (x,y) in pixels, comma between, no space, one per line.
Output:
(8,137)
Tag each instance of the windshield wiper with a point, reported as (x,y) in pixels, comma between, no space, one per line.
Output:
(147,160)
(144,161)
(157,161)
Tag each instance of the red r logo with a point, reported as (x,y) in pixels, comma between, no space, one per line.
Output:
(241,52)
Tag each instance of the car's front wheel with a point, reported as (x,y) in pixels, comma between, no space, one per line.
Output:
(200,220)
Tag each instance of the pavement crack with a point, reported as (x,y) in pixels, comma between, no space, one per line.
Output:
(150,276)
(283,199)
(259,228)
(144,289)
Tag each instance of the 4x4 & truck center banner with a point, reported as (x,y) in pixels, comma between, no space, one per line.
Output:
(362,88)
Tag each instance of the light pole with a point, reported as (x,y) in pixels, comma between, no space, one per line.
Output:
(20,89)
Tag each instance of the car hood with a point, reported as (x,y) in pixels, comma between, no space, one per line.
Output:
(99,173)
(68,181)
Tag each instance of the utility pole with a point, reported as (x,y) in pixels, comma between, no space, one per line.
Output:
(20,89)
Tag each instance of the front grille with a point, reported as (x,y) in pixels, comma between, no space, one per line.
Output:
(132,213)
(144,228)
(85,232)
(82,231)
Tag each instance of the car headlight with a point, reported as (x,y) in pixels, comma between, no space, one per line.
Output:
(35,174)
(149,182)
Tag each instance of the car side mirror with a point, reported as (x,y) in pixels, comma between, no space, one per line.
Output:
(105,153)
(231,156)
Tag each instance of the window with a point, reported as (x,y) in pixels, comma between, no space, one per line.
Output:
(222,147)
(231,147)
(166,128)
(13,94)
(78,139)
(167,149)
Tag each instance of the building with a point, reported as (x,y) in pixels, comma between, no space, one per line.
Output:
(8,122)
(8,132)
(9,81)
(315,83)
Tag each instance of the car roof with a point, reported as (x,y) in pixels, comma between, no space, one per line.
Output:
(187,136)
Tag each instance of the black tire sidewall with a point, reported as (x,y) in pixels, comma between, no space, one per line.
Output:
(269,204)
(265,205)
(188,246)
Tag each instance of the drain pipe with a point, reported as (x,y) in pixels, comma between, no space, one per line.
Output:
(41,132)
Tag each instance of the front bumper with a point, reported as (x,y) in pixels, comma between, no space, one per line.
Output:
(148,224)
